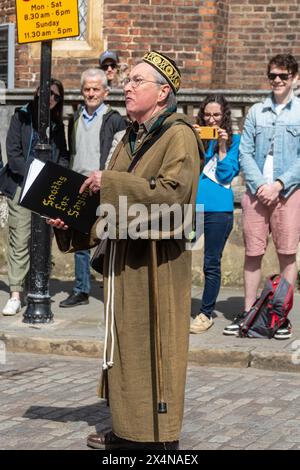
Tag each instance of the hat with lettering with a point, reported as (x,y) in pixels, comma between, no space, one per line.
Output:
(166,67)
(108,55)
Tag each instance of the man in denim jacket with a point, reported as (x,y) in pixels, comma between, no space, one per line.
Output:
(270,161)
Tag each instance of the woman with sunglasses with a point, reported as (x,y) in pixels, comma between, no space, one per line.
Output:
(21,141)
(215,194)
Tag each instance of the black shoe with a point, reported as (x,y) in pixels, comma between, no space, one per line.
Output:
(109,441)
(284,331)
(234,327)
(75,299)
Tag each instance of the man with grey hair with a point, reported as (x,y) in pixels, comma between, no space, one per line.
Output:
(94,132)
(147,279)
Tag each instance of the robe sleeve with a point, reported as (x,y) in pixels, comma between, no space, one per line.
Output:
(69,241)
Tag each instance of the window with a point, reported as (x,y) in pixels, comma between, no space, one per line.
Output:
(7,54)
(83,16)
(83,13)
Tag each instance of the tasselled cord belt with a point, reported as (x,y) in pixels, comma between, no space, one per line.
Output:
(110,302)
(110,307)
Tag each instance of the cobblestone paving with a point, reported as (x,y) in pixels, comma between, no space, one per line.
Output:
(49,402)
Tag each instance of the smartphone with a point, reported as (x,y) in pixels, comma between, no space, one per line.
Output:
(208,133)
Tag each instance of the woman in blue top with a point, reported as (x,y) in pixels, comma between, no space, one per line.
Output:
(214,192)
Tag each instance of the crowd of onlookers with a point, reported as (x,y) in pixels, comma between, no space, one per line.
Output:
(267,151)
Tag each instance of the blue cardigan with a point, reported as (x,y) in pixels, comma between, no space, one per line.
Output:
(217,198)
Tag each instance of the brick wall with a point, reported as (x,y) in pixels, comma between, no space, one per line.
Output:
(181,28)
(217,43)
(257,30)
(219,58)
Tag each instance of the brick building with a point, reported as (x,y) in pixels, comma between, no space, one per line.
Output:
(217,43)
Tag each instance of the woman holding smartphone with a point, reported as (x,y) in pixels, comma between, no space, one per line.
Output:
(215,194)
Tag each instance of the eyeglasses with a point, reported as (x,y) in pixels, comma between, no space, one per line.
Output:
(283,76)
(56,97)
(213,115)
(136,81)
(106,66)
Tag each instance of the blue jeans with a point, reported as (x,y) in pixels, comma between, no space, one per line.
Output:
(82,272)
(217,227)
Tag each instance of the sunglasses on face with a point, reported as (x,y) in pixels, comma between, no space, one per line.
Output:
(56,97)
(283,76)
(106,66)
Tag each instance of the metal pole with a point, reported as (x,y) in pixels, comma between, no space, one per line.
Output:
(38,298)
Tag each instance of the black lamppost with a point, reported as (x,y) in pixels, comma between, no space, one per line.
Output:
(38,298)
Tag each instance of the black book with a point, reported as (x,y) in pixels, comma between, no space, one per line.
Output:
(53,191)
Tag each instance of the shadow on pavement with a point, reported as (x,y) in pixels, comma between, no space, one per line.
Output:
(57,286)
(196,305)
(3,286)
(97,415)
(229,307)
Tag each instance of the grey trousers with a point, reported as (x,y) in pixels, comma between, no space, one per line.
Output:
(18,242)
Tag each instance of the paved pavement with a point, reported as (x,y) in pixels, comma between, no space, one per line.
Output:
(49,402)
(79,331)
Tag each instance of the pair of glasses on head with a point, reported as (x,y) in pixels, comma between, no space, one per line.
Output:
(137,81)
(283,76)
(56,97)
(106,66)
(213,115)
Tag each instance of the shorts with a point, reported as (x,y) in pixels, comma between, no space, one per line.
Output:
(281,219)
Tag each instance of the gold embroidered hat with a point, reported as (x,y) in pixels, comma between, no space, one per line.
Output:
(166,67)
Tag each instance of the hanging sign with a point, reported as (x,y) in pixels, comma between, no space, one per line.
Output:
(44,20)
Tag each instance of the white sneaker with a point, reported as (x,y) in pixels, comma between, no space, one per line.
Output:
(12,307)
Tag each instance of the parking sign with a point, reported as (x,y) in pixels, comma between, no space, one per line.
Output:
(44,20)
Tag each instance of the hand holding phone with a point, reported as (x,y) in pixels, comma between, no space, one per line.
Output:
(207,132)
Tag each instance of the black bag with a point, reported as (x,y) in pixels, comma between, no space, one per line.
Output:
(270,310)
(97,259)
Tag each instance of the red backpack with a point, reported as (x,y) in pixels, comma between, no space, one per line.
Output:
(270,310)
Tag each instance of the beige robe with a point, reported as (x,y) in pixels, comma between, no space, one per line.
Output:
(174,161)
(132,383)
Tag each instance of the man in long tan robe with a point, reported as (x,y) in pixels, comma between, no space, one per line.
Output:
(166,173)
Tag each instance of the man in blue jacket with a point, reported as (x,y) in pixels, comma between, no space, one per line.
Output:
(270,161)
(93,135)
